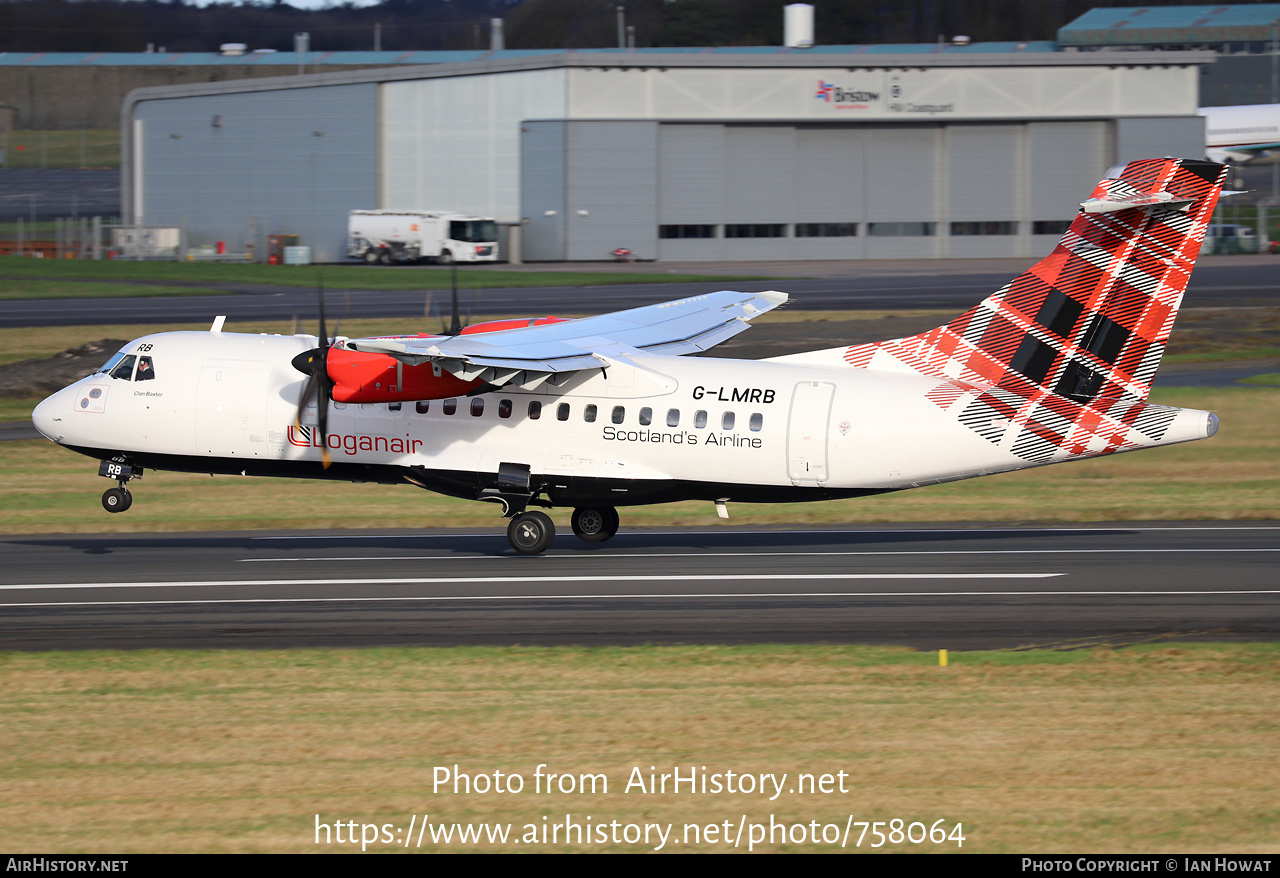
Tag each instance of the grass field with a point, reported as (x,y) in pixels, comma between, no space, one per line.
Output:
(72,289)
(1147,749)
(335,278)
(90,148)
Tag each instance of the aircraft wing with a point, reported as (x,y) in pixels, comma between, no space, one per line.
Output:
(530,355)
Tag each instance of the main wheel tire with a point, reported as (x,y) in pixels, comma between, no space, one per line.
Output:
(593,525)
(384,256)
(128,499)
(371,256)
(116,500)
(531,533)
(444,258)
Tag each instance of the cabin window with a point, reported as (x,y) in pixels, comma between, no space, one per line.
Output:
(146,370)
(562,412)
(124,369)
(368,407)
(422,406)
(646,416)
(673,417)
(393,406)
(339,405)
(700,419)
(504,408)
(726,422)
(589,413)
(757,422)
(450,406)
(535,410)
(477,406)
(619,414)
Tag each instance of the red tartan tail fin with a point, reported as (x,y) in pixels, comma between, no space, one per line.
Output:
(1091,320)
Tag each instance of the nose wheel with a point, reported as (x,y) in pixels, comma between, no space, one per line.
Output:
(116,499)
(531,533)
(595,525)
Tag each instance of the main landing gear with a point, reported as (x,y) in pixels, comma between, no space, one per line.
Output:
(531,533)
(118,499)
(595,525)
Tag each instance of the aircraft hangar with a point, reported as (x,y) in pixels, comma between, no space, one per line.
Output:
(717,154)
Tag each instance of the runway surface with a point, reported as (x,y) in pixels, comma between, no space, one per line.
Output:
(929,587)
(1250,282)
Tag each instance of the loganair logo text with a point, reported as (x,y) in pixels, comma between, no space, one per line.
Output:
(834,94)
(351,443)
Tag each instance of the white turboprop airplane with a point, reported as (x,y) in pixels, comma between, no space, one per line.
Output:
(1241,134)
(602,412)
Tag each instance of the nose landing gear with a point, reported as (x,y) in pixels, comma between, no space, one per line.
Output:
(118,499)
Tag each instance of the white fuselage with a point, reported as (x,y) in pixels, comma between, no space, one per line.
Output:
(678,426)
(1241,132)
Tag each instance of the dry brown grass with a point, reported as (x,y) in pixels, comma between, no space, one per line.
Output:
(1143,750)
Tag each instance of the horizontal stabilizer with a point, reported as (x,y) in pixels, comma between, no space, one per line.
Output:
(1112,203)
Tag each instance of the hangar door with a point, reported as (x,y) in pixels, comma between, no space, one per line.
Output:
(807,191)
(588,188)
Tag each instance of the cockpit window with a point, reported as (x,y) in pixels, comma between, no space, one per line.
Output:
(110,364)
(146,370)
(124,369)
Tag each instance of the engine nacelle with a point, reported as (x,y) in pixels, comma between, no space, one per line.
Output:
(369,377)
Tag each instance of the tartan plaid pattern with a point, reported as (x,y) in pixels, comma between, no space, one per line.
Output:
(1064,354)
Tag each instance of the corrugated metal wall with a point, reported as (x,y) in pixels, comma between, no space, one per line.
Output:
(454,143)
(830,188)
(543,190)
(1178,136)
(789,174)
(1065,160)
(612,189)
(904,186)
(312,157)
(986,182)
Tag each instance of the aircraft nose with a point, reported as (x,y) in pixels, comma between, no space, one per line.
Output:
(47,419)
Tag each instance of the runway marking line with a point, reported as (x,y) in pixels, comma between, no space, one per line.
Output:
(485,580)
(597,554)
(582,597)
(729,532)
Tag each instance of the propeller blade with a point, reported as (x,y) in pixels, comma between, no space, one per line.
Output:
(322,422)
(315,365)
(455,327)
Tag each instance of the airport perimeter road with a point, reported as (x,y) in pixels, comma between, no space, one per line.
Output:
(934,284)
(958,587)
